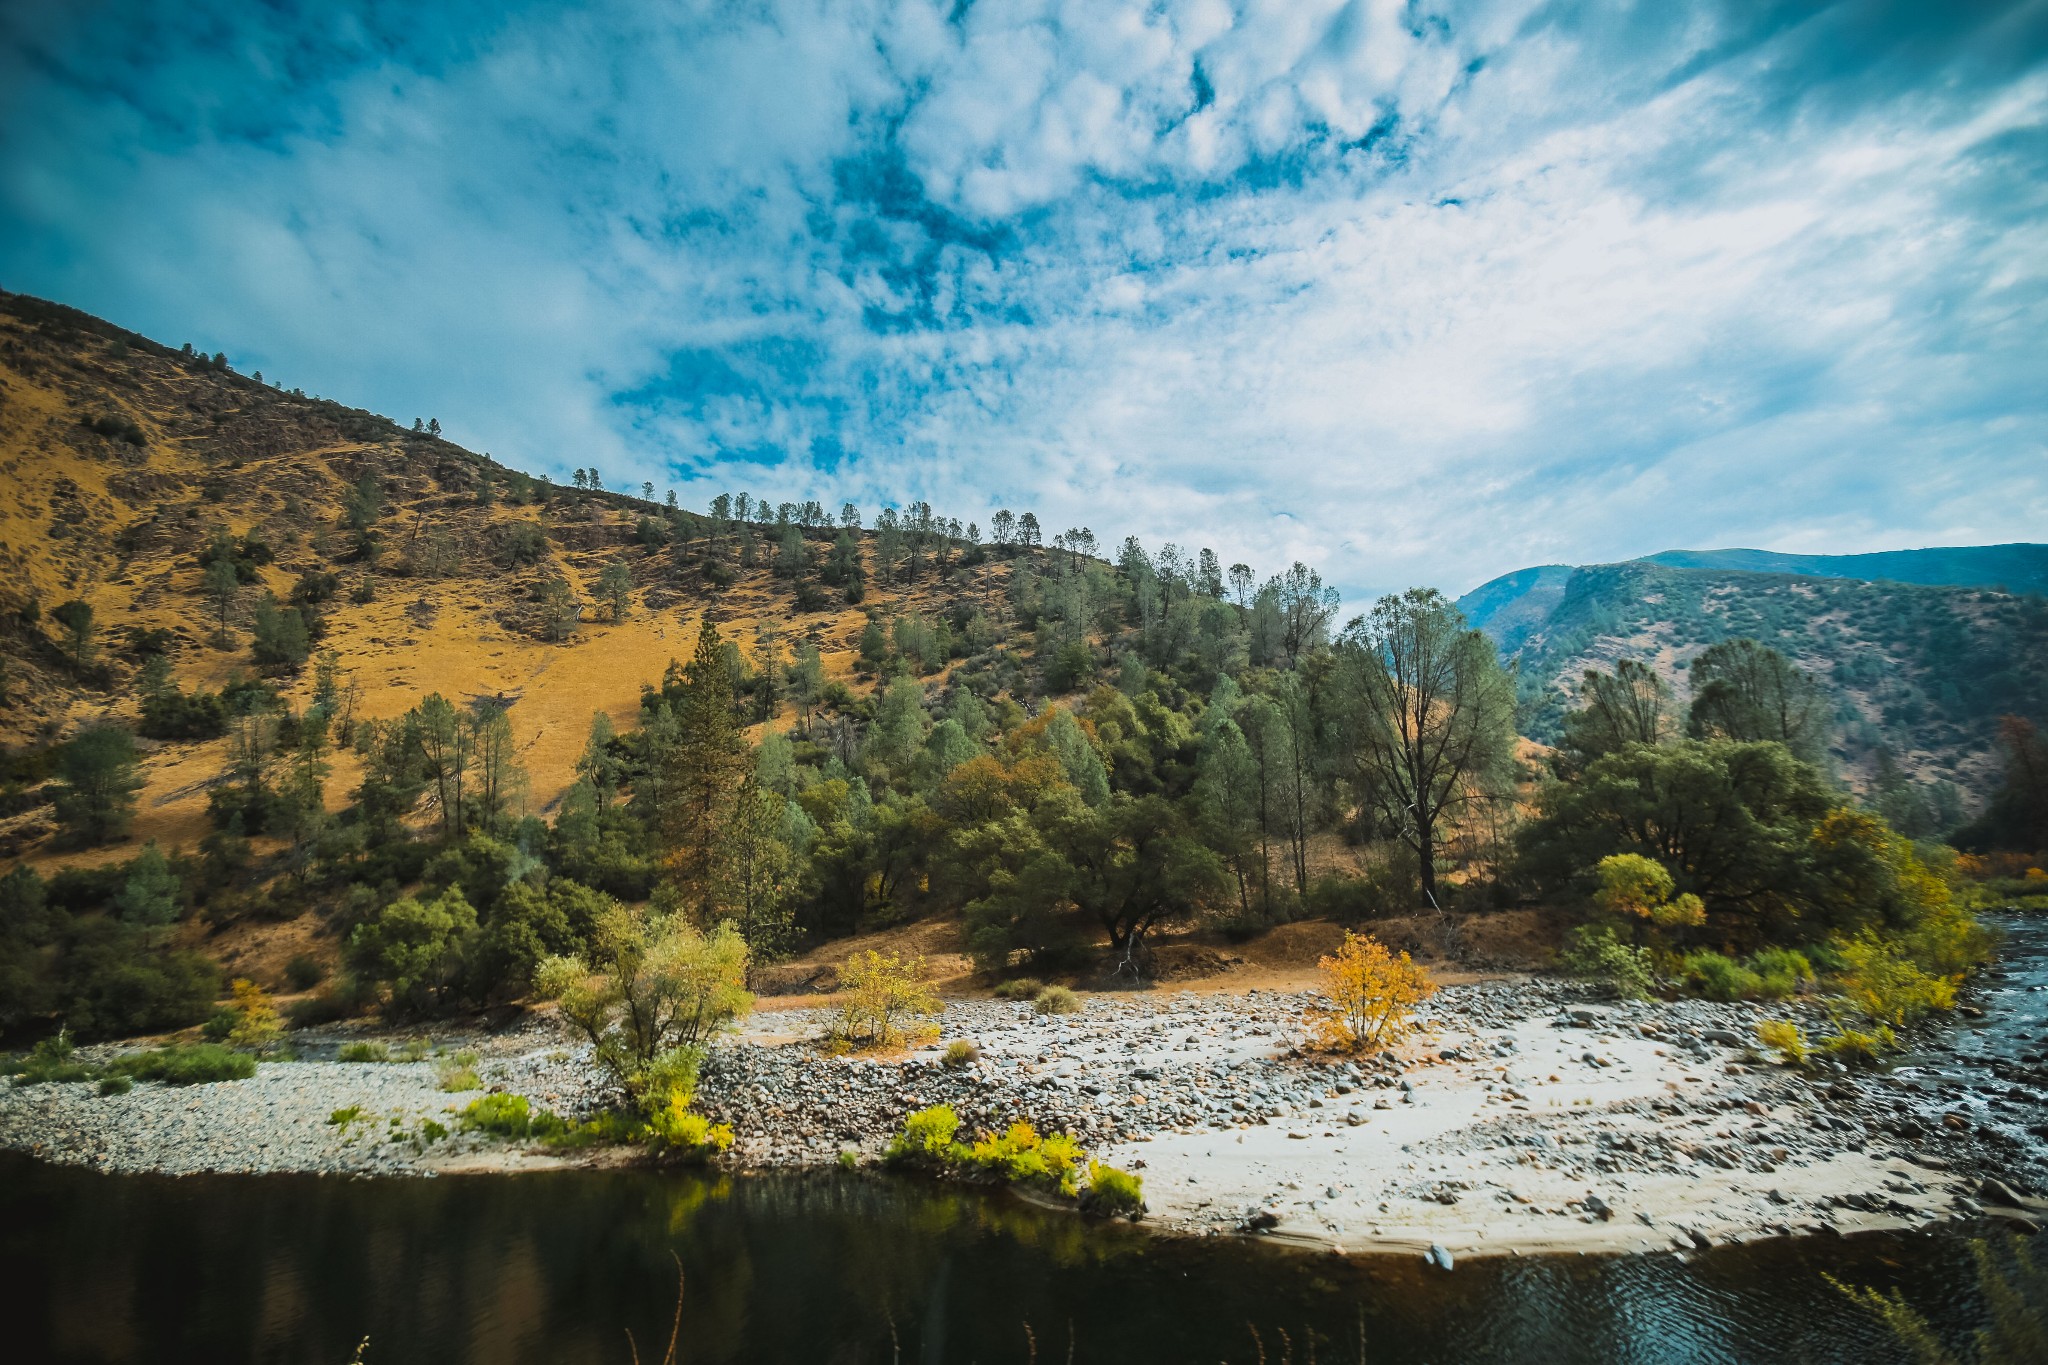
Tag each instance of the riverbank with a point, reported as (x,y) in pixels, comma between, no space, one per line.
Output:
(1522,1117)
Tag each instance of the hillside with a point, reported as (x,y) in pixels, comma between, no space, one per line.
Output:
(2018,569)
(120,458)
(1921,672)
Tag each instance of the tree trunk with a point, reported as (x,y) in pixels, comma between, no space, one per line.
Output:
(1425,852)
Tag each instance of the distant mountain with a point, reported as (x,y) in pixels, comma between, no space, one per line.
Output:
(1922,663)
(2018,569)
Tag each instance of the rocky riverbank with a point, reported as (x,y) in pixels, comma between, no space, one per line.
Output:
(1522,1116)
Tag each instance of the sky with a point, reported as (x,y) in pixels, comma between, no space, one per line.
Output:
(1414,293)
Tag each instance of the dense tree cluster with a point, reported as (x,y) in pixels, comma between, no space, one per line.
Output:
(1730,841)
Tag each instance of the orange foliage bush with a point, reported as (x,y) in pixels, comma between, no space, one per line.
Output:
(1373,991)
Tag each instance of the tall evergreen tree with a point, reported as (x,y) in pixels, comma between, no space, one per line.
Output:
(601,765)
(99,777)
(707,766)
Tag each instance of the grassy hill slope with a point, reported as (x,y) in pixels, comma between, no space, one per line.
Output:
(119,457)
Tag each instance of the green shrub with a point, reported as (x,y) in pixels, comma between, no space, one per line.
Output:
(304,972)
(848,1161)
(1826,958)
(1780,971)
(219,1025)
(927,1135)
(602,1129)
(188,1064)
(460,1073)
(511,1116)
(1113,1193)
(1057,1000)
(1596,953)
(960,1053)
(316,1010)
(363,1052)
(1019,988)
(1718,977)
(342,1118)
(51,1061)
(116,1085)
(456,1079)
(416,1050)
(672,1072)
(415,949)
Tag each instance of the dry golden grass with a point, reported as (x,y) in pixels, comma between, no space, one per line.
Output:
(83,515)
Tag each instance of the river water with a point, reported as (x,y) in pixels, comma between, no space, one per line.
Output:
(825,1267)
(559,1267)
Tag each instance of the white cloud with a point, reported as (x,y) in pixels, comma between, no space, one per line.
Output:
(1609,284)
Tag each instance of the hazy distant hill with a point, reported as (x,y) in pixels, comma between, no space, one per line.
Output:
(1921,669)
(2016,569)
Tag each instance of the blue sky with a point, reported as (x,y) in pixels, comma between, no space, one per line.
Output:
(1415,293)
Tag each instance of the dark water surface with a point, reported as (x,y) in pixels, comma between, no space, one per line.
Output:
(558,1267)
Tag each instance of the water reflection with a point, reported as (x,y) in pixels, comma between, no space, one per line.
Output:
(560,1267)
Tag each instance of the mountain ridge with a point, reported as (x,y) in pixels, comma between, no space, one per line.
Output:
(1919,672)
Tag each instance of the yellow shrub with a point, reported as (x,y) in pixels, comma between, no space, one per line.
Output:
(1859,1045)
(1019,1154)
(878,993)
(1783,1037)
(1112,1192)
(1885,986)
(1373,991)
(674,1128)
(257,1026)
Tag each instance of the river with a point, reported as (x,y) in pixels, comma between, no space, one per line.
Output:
(559,1267)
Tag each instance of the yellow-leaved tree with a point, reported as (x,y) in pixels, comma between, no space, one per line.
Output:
(1373,992)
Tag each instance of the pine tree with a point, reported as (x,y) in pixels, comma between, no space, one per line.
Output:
(500,780)
(753,869)
(152,895)
(615,587)
(76,618)
(601,766)
(707,766)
